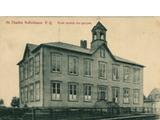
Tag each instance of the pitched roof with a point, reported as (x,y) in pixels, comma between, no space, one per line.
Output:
(76,48)
(99,25)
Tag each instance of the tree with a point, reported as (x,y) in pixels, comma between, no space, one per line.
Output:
(1,102)
(15,102)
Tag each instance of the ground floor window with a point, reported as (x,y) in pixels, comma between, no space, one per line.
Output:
(73,96)
(37,91)
(135,96)
(31,92)
(55,91)
(102,93)
(115,94)
(26,94)
(87,92)
(22,95)
(126,95)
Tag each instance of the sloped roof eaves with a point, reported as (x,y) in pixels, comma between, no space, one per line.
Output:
(89,52)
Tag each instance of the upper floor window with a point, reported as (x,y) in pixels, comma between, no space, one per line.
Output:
(37,63)
(87,67)
(55,62)
(136,77)
(87,92)
(115,94)
(102,52)
(126,74)
(73,92)
(31,92)
(21,72)
(102,70)
(102,37)
(126,95)
(102,93)
(55,90)
(115,72)
(95,37)
(136,95)
(73,65)
(31,67)
(26,70)
(37,91)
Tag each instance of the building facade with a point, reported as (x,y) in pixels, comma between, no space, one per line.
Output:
(58,74)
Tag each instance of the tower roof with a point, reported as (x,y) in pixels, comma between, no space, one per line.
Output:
(99,25)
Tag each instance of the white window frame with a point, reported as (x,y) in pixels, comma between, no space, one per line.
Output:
(26,94)
(21,72)
(102,70)
(126,95)
(115,72)
(56,61)
(73,65)
(37,63)
(102,52)
(87,67)
(26,70)
(55,90)
(115,94)
(31,67)
(136,96)
(37,91)
(87,92)
(73,91)
(126,73)
(102,93)
(136,77)
(31,92)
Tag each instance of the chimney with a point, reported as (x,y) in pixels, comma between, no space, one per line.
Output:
(83,43)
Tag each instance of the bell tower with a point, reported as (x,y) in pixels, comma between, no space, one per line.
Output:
(98,35)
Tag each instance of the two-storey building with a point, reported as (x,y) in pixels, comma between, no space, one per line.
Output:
(63,75)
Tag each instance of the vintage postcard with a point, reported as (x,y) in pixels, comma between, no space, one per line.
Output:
(79,68)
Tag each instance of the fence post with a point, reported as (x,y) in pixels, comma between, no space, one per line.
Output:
(51,114)
(33,114)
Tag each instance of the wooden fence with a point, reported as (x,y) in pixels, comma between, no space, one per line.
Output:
(69,113)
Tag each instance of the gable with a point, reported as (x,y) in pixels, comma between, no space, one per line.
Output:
(103,53)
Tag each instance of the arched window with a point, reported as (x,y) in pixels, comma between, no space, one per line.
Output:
(95,37)
(102,37)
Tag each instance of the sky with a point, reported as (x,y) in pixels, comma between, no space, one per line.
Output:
(133,38)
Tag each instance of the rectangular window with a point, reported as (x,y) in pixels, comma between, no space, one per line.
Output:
(87,93)
(26,70)
(115,94)
(21,72)
(37,63)
(22,95)
(102,52)
(31,67)
(102,70)
(136,95)
(56,62)
(31,92)
(73,65)
(126,95)
(37,91)
(73,96)
(87,67)
(136,77)
(55,91)
(26,94)
(115,72)
(126,74)
(102,93)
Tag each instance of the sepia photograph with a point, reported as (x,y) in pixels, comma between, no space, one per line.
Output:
(79,68)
